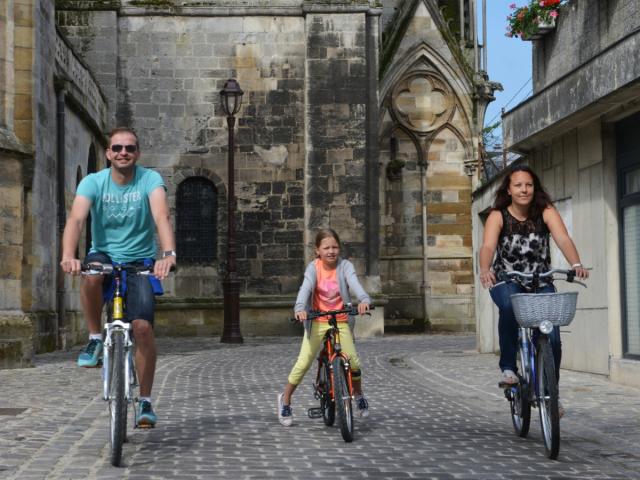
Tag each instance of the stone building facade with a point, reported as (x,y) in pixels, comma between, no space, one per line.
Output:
(52,115)
(335,91)
(432,99)
(579,132)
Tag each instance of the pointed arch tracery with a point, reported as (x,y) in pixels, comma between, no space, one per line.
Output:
(423,95)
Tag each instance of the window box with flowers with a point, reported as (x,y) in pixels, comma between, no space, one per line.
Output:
(532,21)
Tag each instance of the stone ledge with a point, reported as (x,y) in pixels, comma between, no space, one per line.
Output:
(259,316)
(16,340)
(593,88)
(625,371)
(10,143)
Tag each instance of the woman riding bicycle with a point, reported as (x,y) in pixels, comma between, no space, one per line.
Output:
(517,233)
(326,285)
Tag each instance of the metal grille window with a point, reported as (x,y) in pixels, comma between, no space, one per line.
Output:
(628,165)
(196,218)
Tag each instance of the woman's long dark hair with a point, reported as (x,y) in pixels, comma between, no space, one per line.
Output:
(541,198)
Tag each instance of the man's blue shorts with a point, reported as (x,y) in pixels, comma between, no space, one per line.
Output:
(139,297)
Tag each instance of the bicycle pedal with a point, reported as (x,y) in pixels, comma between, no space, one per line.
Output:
(145,426)
(315,412)
(506,385)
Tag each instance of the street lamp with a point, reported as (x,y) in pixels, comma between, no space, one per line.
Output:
(231,99)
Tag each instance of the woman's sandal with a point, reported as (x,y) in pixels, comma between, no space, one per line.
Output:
(508,379)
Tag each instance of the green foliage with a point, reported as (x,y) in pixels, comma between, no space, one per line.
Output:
(489,136)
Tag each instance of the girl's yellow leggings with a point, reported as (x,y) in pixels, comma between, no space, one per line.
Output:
(311,345)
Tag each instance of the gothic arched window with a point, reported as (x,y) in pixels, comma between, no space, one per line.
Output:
(196,218)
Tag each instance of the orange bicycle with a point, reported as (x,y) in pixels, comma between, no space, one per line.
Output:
(333,386)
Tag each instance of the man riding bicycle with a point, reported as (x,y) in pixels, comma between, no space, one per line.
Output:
(127,204)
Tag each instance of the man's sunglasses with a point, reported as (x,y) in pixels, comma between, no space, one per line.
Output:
(128,148)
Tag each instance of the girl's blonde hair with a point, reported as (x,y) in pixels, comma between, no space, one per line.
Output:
(327,233)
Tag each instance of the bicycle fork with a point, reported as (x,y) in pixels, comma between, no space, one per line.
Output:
(110,328)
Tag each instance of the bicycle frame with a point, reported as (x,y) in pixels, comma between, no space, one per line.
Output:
(117,315)
(537,386)
(529,373)
(329,352)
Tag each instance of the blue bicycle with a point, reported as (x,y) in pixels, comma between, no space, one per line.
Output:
(537,314)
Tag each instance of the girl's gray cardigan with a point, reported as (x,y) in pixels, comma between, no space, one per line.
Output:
(347,279)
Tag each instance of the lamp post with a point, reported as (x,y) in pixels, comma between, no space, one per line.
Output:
(231,98)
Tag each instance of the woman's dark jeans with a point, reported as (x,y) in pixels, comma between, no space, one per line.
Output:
(508,326)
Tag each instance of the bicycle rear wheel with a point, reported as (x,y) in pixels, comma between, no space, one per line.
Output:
(326,403)
(342,397)
(117,400)
(548,398)
(519,400)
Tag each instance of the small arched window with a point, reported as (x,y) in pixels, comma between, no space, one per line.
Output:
(196,218)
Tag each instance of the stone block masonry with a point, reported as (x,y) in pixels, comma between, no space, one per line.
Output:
(336,130)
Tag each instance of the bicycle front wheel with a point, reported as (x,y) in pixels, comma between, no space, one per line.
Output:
(547,389)
(117,400)
(342,397)
(519,399)
(326,403)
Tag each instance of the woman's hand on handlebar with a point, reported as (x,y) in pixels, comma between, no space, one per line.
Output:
(301,316)
(363,308)
(581,272)
(487,279)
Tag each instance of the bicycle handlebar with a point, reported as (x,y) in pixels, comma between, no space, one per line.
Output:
(107,269)
(351,310)
(570,275)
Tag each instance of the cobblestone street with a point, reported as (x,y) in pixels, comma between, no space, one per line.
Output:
(436,412)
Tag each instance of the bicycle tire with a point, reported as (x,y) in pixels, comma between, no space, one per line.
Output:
(548,398)
(327,405)
(131,398)
(519,402)
(117,400)
(342,398)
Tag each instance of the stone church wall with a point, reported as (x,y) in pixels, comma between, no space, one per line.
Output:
(170,72)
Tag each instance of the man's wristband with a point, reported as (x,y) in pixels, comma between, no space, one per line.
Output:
(168,253)
(576,265)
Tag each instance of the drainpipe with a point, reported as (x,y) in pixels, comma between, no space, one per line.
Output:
(372,195)
(61,213)
(462,24)
(474,34)
(484,37)
(425,256)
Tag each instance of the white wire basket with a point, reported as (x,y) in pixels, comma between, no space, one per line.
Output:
(531,309)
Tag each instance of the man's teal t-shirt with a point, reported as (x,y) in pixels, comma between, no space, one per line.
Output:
(122,225)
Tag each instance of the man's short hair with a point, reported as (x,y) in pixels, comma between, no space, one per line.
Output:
(124,130)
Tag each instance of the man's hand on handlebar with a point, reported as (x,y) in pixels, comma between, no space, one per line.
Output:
(162,267)
(301,316)
(71,265)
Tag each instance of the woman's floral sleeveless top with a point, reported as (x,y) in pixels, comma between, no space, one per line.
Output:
(523,246)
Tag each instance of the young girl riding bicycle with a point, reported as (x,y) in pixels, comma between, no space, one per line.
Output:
(326,285)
